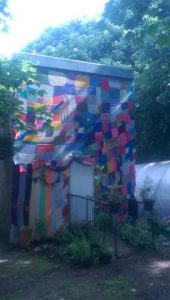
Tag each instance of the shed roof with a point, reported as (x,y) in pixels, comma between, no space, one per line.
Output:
(79,66)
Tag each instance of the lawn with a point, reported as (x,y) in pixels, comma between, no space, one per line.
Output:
(137,276)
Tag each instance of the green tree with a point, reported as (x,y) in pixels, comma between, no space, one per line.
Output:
(12,74)
(87,41)
(4,15)
(147,31)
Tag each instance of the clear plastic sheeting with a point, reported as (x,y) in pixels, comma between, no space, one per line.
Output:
(159,174)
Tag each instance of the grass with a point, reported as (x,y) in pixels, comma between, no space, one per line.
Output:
(36,264)
(25,265)
(27,270)
(118,288)
(68,290)
(26,275)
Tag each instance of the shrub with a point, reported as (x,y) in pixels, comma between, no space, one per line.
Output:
(82,229)
(104,252)
(137,236)
(103,222)
(80,252)
(63,237)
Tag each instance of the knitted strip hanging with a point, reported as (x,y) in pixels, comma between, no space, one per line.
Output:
(39,196)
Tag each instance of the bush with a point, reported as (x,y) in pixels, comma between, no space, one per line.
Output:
(104,252)
(82,229)
(63,237)
(137,236)
(103,222)
(80,252)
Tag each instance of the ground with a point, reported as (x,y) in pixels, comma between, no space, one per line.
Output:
(138,275)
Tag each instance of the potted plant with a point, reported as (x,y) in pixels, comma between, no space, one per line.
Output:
(25,236)
(145,194)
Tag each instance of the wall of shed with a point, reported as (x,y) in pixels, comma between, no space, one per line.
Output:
(93,118)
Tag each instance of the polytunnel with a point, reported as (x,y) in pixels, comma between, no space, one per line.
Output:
(159,175)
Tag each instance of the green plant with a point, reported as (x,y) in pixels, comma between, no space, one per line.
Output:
(80,252)
(113,197)
(63,237)
(113,194)
(104,252)
(158,226)
(146,188)
(82,229)
(41,229)
(103,222)
(99,170)
(137,236)
(146,194)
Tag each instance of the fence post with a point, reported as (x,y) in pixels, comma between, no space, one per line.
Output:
(69,211)
(115,236)
(87,205)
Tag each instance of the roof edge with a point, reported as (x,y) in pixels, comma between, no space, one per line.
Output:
(76,65)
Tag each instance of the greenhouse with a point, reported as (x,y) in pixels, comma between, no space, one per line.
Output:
(159,175)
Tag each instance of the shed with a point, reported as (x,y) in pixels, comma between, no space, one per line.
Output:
(89,116)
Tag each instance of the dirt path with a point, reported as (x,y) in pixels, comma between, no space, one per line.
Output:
(139,276)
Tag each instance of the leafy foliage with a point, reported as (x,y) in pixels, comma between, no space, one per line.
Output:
(63,237)
(137,236)
(104,246)
(103,222)
(87,41)
(12,74)
(80,251)
(41,229)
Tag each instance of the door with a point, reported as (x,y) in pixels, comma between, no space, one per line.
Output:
(81,186)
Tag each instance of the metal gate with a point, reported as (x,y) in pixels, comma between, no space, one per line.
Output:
(130,223)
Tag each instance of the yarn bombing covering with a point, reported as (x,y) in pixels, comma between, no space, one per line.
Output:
(86,116)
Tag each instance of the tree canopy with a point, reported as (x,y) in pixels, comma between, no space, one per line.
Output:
(12,74)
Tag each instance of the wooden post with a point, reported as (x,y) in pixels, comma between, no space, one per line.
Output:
(5,182)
